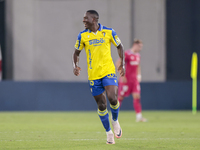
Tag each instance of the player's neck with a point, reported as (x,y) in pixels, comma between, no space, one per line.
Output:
(94,28)
(133,50)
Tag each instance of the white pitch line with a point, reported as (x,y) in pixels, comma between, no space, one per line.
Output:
(142,139)
(127,139)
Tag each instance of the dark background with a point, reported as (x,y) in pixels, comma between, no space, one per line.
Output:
(65,96)
(183,37)
(2,32)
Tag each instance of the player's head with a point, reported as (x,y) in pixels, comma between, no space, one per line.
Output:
(90,18)
(137,45)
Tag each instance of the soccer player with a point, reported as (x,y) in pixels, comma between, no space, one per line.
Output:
(130,83)
(96,39)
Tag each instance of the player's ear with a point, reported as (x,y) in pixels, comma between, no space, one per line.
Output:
(93,19)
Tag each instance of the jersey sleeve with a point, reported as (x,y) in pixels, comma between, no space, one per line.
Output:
(79,43)
(115,39)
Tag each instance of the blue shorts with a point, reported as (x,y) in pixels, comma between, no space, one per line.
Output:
(97,86)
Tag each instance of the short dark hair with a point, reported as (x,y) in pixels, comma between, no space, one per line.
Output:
(137,41)
(94,12)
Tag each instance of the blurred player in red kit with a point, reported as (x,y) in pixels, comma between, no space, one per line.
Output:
(130,83)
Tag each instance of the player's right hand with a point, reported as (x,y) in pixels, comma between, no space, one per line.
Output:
(121,70)
(77,71)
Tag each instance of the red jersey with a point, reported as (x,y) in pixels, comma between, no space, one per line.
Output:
(132,61)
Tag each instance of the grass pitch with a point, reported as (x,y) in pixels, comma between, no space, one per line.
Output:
(171,130)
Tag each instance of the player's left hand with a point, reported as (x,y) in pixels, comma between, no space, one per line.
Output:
(139,77)
(77,71)
(121,70)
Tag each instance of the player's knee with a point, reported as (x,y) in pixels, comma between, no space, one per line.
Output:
(136,96)
(113,100)
(102,106)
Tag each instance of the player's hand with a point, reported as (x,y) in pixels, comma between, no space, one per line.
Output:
(121,70)
(77,71)
(139,77)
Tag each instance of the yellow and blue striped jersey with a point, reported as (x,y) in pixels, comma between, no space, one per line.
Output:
(98,50)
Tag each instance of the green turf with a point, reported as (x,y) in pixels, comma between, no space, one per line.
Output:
(83,130)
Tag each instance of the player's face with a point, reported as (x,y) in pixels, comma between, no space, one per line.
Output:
(88,20)
(138,47)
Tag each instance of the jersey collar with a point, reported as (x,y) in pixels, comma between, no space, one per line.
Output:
(100,28)
(131,52)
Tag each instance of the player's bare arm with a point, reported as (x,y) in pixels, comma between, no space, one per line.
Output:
(75,58)
(118,63)
(139,76)
(121,67)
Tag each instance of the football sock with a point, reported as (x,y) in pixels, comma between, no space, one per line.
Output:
(137,106)
(104,117)
(115,111)
(109,132)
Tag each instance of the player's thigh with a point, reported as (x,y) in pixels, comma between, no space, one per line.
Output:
(111,90)
(96,87)
(110,85)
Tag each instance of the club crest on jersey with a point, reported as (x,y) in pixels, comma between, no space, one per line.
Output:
(104,34)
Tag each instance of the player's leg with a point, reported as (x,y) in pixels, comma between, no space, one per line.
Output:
(137,105)
(104,116)
(102,110)
(111,91)
(111,86)
(98,92)
(137,102)
(120,99)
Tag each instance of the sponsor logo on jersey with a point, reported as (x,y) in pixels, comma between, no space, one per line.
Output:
(117,40)
(134,63)
(90,59)
(97,42)
(77,44)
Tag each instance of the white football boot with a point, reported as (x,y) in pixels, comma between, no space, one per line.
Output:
(110,138)
(117,129)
